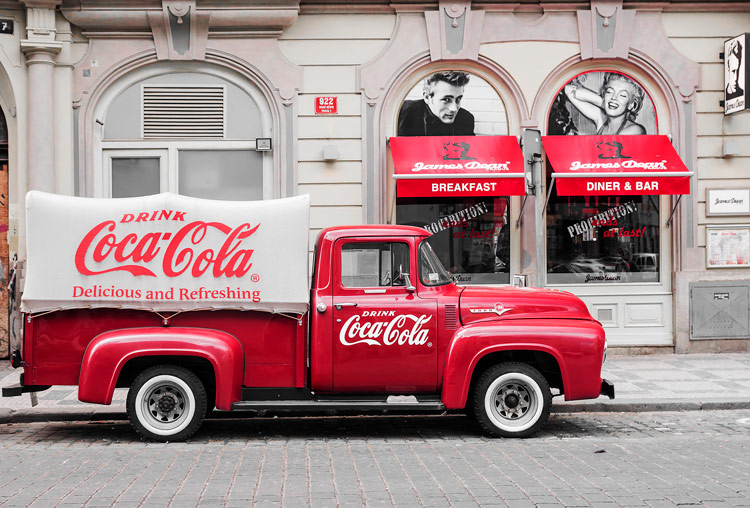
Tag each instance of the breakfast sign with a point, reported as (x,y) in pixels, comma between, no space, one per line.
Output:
(454,166)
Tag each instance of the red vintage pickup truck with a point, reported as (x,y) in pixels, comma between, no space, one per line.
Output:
(213,308)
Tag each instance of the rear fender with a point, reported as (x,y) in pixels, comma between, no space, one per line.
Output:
(576,345)
(108,353)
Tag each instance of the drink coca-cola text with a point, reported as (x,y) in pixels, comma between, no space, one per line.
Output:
(400,330)
(180,252)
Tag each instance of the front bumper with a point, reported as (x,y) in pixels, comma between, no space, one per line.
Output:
(608,389)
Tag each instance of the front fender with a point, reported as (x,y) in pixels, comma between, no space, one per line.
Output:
(108,353)
(576,345)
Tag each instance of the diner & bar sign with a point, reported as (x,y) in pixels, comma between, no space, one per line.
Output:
(616,165)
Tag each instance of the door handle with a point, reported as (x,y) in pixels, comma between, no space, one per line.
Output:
(339,305)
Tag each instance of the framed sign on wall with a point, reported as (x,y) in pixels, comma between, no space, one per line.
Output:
(736,74)
(727,201)
(728,246)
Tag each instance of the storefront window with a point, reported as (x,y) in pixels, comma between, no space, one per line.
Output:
(470,235)
(602,239)
(594,240)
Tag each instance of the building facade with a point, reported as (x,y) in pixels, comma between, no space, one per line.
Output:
(260,100)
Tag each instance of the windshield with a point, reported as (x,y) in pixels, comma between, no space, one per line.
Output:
(431,270)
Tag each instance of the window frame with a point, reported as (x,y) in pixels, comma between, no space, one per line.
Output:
(169,164)
(151,153)
(338,260)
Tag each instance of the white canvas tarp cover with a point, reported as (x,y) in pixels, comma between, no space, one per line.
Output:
(166,253)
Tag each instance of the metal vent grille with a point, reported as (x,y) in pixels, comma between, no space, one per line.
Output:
(183,111)
(451,317)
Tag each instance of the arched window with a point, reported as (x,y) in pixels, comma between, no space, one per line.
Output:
(190,133)
(602,239)
(471,233)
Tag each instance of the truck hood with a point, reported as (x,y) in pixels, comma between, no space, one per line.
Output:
(483,303)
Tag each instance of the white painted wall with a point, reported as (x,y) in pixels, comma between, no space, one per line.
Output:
(329,47)
(700,37)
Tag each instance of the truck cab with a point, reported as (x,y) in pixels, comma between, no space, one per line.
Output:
(379,322)
(388,319)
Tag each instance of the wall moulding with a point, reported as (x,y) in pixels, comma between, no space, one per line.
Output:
(408,43)
(552,26)
(270,18)
(42,4)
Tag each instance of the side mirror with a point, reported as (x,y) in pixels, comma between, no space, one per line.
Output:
(409,286)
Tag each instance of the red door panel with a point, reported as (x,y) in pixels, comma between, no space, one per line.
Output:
(385,338)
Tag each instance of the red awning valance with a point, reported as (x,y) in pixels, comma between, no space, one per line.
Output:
(451,166)
(616,165)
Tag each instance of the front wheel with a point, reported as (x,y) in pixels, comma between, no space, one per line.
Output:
(511,400)
(166,403)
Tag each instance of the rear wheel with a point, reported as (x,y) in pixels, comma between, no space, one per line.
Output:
(511,400)
(166,403)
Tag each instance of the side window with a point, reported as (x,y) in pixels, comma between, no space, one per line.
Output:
(374,264)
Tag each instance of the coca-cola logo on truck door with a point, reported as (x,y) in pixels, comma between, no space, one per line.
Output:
(394,329)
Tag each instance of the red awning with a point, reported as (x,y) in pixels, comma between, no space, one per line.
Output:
(452,166)
(616,165)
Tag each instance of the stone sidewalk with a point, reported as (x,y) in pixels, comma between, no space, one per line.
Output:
(666,382)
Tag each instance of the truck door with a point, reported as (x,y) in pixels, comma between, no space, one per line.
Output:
(385,335)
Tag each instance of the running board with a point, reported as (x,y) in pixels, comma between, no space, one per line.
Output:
(394,402)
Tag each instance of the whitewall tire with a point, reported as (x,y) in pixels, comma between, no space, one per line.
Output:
(511,400)
(166,403)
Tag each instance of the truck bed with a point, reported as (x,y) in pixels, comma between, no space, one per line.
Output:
(273,344)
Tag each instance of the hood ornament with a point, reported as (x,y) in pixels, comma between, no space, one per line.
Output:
(498,309)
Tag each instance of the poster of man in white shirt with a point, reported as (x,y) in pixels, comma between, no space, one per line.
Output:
(735,74)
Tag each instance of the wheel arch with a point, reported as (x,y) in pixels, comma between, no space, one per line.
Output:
(470,355)
(199,365)
(543,361)
(112,358)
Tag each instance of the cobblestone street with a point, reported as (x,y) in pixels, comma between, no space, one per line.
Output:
(656,459)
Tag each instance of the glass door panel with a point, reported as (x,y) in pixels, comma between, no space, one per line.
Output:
(235,175)
(135,172)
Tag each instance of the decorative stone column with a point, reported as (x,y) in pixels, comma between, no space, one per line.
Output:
(41,48)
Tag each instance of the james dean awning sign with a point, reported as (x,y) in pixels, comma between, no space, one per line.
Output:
(453,166)
(616,165)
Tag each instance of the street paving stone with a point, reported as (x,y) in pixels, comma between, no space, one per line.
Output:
(654,459)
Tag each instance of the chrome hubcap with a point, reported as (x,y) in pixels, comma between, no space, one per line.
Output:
(165,403)
(513,401)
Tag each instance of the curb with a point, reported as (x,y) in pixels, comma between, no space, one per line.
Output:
(632,406)
(59,415)
(11,416)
